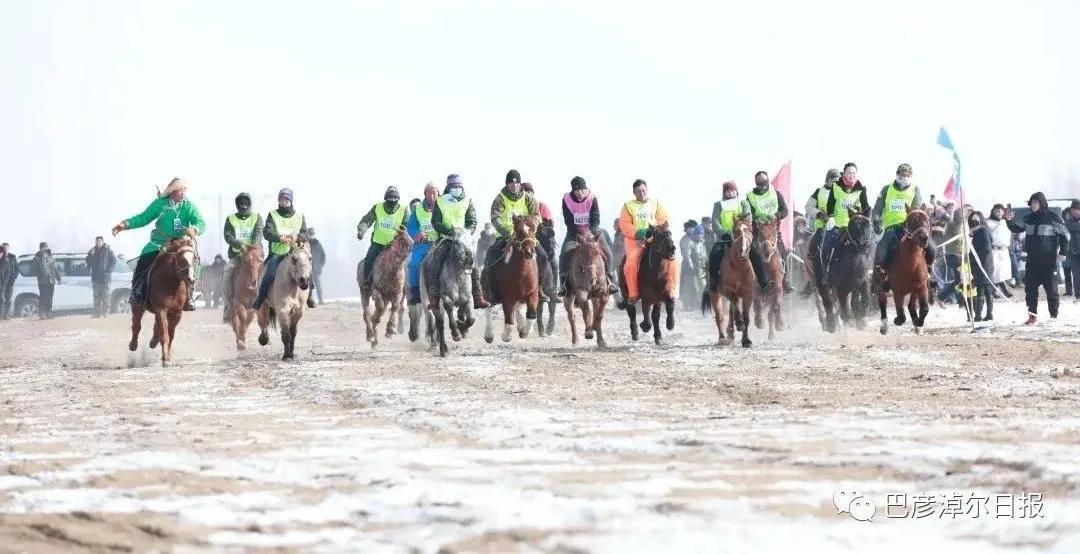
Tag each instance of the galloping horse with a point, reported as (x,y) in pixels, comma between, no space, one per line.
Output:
(548,275)
(167,290)
(738,286)
(656,278)
(907,274)
(455,289)
(587,288)
(387,286)
(289,294)
(767,239)
(848,281)
(518,280)
(245,285)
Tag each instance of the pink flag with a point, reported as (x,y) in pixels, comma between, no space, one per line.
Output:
(782,183)
(950,190)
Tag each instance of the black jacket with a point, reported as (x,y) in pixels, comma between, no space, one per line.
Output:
(102,262)
(568,218)
(1073,225)
(318,255)
(1045,234)
(982,246)
(9,270)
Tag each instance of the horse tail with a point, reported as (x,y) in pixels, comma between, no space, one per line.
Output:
(706,305)
(273,318)
(423,284)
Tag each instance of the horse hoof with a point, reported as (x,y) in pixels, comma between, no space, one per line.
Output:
(899,321)
(264,340)
(659,341)
(443,351)
(918,330)
(133,346)
(884,327)
(600,342)
(671,323)
(747,343)
(588,334)
(240,347)
(646,326)
(489,339)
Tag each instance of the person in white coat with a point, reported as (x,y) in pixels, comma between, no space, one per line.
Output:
(1002,238)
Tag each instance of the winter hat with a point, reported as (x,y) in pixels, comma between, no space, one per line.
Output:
(689,224)
(698,231)
(513,176)
(391,194)
(173,186)
(430,187)
(285,193)
(577,183)
(730,185)
(904,168)
(1075,205)
(42,245)
(454,180)
(832,175)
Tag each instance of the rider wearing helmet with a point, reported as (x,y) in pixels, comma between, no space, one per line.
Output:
(283,227)
(387,217)
(241,231)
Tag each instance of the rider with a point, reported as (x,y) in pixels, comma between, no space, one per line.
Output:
(634,221)
(767,204)
(387,217)
(816,215)
(725,213)
(241,231)
(849,193)
(423,233)
(511,201)
(454,212)
(545,233)
(282,229)
(889,215)
(581,214)
(173,216)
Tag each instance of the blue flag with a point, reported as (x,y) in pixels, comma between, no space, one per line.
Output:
(944,140)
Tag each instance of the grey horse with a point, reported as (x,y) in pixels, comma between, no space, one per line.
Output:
(455,289)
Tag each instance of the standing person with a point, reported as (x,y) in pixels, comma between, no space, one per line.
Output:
(102,262)
(848,194)
(954,251)
(486,239)
(982,277)
(816,215)
(318,262)
(617,246)
(889,216)
(710,233)
(387,217)
(423,234)
(1001,239)
(635,219)
(173,216)
(694,262)
(283,228)
(241,231)
(1016,248)
(768,205)
(581,214)
(1046,240)
(48,275)
(454,213)
(9,270)
(1071,218)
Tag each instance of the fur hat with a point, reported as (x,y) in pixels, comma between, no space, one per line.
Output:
(173,186)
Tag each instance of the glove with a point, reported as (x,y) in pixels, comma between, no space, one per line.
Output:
(640,234)
(830,224)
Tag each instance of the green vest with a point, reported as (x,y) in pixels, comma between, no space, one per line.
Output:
(453,213)
(643,213)
(897,202)
(763,206)
(844,200)
(512,208)
(423,217)
(244,229)
(285,226)
(386,224)
(822,205)
(730,209)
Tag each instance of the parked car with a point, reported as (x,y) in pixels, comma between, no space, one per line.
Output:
(74,293)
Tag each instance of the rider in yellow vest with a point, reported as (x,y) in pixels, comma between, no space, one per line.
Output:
(767,204)
(889,215)
(453,214)
(241,230)
(283,227)
(816,215)
(511,201)
(725,213)
(848,194)
(387,218)
(634,221)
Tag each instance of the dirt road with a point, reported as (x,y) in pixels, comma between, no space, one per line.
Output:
(535,446)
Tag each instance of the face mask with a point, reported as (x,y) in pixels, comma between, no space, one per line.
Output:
(904,181)
(761,184)
(456,193)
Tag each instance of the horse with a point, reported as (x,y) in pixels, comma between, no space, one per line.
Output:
(847,283)
(289,294)
(167,290)
(387,287)
(738,286)
(548,276)
(587,288)
(518,279)
(907,274)
(767,237)
(455,289)
(245,286)
(656,276)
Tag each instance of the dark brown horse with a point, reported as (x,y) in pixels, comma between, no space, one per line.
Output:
(657,279)
(907,274)
(587,288)
(245,285)
(738,286)
(518,281)
(767,240)
(167,291)
(387,287)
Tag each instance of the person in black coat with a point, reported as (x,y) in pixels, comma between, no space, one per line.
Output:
(101,261)
(9,270)
(981,258)
(1046,239)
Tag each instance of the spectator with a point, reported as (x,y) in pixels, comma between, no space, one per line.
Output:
(318,262)
(9,270)
(1001,239)
(102,262)
(1072,223)
(694,264)
(48,276)
(953,251)
(487,238)
(1045,243)
(982,266)
(617,252)
(710,236)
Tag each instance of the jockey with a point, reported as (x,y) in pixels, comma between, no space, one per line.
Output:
(816,215)
(889,215)
(387,217)
(725,213)
(546,232)
(849,193)
(173,216)
(634,221)
(581,214)
(767,204)
(241,231)
(453,213)
(423,233)
(282,229)
(511,201)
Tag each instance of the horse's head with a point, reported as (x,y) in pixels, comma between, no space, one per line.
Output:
(767,234)
(184,250)
(741,236)
(658,238)
(402,240)
(525,235)
(297,264)
(917,227)
(461,254)
(860,230)
(250,258)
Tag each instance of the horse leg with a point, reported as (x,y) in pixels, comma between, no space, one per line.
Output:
(136,327)
(365,301)
(911,310)
(159,329)
(657,338)
(264,324)
(718,315)
(588,317)
(550,320)
(489,332)
(453,322)
(532,312)
(599,304)
(746,302)
(568,303)
(829,307)
(924,306)
(631,311)
(170,331)
(540,316)
(429,327)
(440,331)
(898,301)
(509,311)
(669,307)
(294,326)
(286,335)
(732,316)
(646,313)
(759,321)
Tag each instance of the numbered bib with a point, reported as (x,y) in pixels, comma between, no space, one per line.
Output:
(581,219)
(898,205)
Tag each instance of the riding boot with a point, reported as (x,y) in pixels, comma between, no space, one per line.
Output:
(478,300)
(759,271)
(188,305)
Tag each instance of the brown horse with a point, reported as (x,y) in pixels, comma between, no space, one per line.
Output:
(518,280)
(587,288)
(167,291)
(907,274)
(657,278)
(387,287)
(245,285)
(738,286)
(767,237)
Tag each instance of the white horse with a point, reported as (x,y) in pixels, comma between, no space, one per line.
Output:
(289,295)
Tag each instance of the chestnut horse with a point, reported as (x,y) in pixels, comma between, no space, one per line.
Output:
(587,288)
(519,281)
(245,285)
(907,274)
(738,286)
(766,239)
(167,290)
(656,279)
(387,287)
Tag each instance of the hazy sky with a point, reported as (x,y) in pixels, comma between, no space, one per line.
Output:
(105,99)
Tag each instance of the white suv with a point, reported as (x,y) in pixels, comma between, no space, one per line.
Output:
(74,292)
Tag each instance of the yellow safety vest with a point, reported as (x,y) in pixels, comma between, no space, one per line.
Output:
(512,208)
(643,213)
(244,229)
(897,202)
(285,226)
(387,224)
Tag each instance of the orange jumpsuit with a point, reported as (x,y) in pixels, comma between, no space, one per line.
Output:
(633,217)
